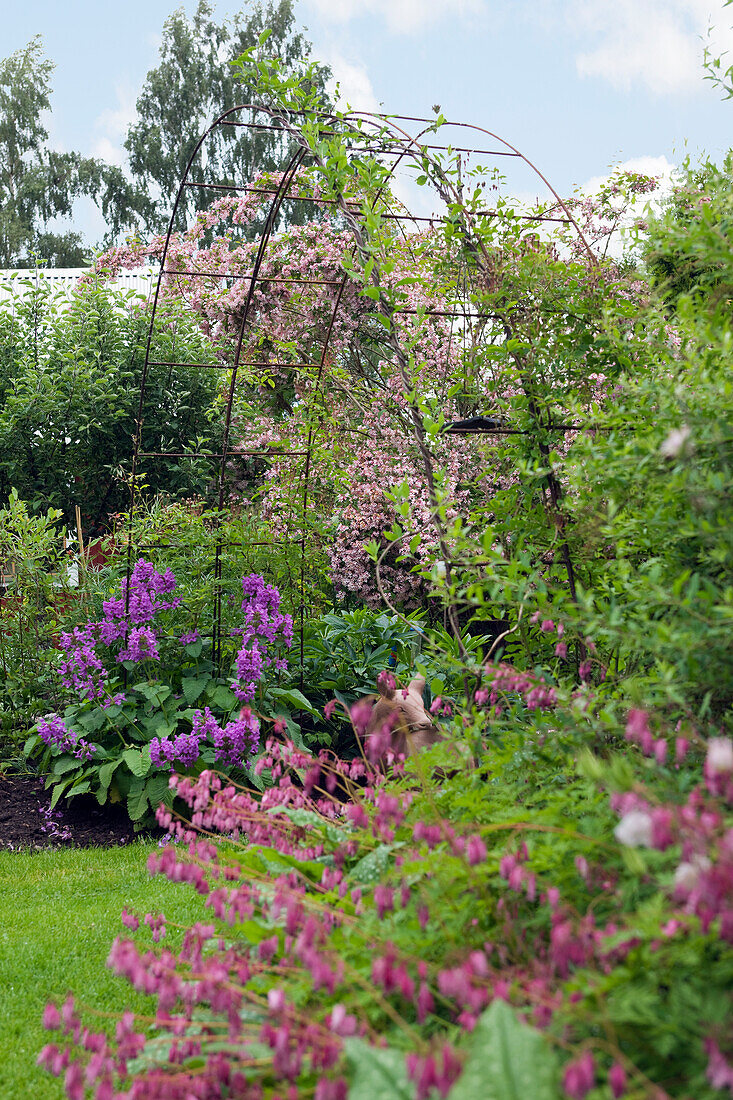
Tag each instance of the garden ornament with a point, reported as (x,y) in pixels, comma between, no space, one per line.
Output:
(399,719)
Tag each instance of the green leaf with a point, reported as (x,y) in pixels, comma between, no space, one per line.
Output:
(92,720)
(157,788)
(137,800)
(138,760)
(81,787)
(222,698)
(104,776)
(65,764)
(31,744)
(379,1073)
(154,693)
(508,1060)
(295,699)
(58,791)
(308,819)
(160,726)
(373,865)
(193,686)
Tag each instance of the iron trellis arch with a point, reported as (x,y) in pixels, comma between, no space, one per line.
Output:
(402,146)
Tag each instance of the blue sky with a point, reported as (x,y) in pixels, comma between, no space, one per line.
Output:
(577,85)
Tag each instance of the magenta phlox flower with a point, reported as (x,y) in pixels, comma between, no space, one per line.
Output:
(234,744)
(239,740)
(82,670)
(54,732)
(128,617)
(115,700)
(184,749)
(142,645)
(250,663)
(264,626)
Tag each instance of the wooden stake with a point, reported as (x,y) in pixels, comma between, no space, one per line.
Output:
(80,535)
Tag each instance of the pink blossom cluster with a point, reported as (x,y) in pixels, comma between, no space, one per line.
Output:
(301,296)
(300,818)
(638,730)
(703,880)
(505,680)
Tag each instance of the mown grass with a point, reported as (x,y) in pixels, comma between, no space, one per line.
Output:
(59,912)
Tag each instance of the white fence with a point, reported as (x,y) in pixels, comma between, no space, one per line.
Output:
(63,279)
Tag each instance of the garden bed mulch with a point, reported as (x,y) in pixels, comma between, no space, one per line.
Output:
(27,822)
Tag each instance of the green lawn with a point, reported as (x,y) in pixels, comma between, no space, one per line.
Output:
(59,912)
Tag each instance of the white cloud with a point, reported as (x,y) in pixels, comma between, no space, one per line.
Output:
(401,16)
(658,167)
(355,87)
(111,126)
(657,43)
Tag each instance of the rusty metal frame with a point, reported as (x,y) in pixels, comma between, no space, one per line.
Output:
(390,139)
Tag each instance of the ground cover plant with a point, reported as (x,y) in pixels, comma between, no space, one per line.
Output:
(542,903)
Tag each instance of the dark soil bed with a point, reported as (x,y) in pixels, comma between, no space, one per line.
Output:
(27,822)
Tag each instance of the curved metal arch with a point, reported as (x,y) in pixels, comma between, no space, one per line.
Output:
(408,146)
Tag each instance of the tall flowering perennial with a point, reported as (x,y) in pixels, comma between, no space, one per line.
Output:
(129,754)
(264,626)
(54,732)
(236,743)
(127,620)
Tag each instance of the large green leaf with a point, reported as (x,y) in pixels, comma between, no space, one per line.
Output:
(379,1073)
(31,744)
(508,1060)
(372,866)
(138,760)
(82,786)
(104,776)
(193,686)
(137,799)
(93,720)
(309,819)
(65,764)
(157,790)
(294,698)
(222,698)
(59,790)
(154,693)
